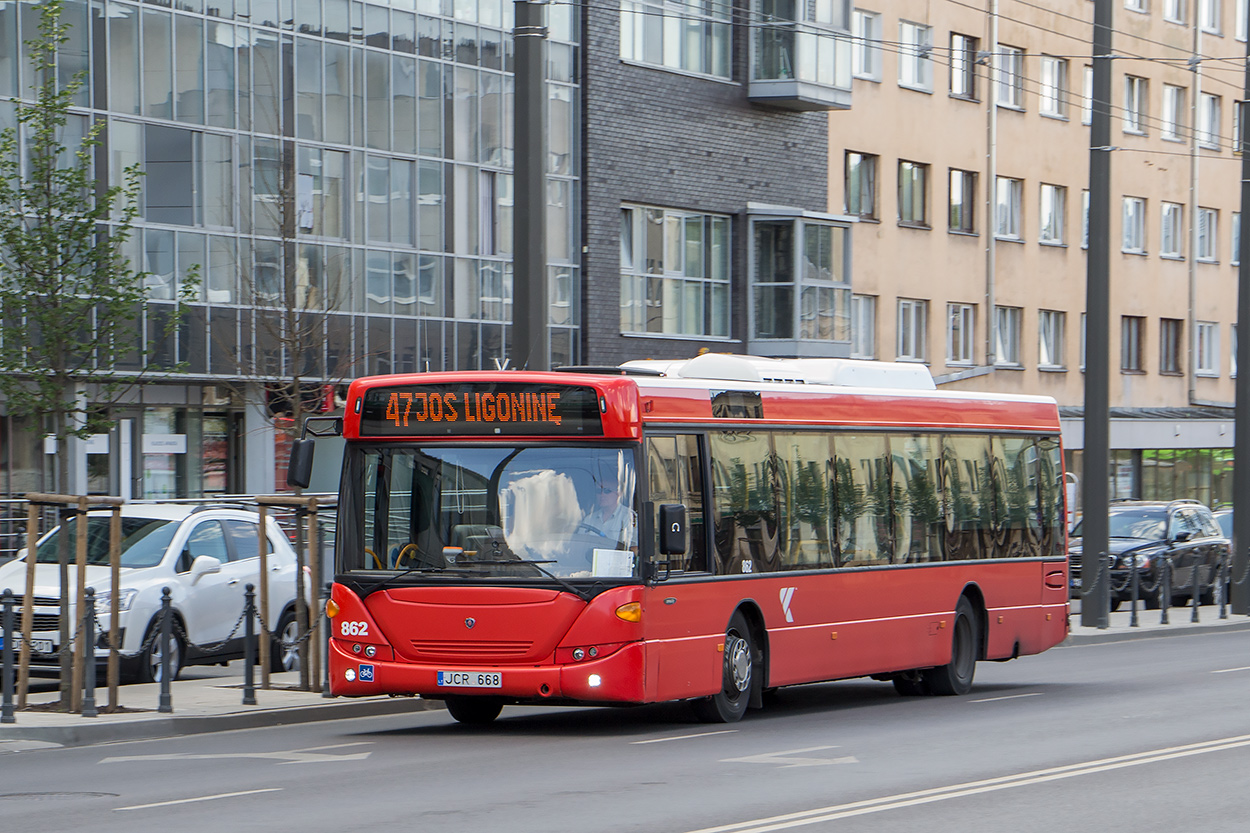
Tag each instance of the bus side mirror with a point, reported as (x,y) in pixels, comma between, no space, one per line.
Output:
(672,523)
(299,467)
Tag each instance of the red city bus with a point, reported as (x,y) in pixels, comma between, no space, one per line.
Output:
(703,530)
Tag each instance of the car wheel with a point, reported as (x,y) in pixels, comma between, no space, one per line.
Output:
(956,676)
(284,652)
(738,675)
(474,711)
(149,667)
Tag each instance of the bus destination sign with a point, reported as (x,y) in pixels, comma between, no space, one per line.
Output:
(480,409)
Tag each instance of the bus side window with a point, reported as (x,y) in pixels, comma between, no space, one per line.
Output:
(675,475)
(862,496)
(745,492)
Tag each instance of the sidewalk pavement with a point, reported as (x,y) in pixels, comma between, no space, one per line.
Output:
(211,700)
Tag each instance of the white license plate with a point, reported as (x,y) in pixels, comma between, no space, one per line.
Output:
(470,679)
(42,646)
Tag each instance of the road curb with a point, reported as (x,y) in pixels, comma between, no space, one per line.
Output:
(86,732)
(1095,637)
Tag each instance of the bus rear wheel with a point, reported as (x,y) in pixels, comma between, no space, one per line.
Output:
(474,711)
(738,676)
(956,676)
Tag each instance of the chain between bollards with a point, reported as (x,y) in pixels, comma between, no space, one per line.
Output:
(166,701)
(249,646)
(88,654)
(6,662)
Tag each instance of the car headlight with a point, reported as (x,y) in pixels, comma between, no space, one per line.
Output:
(124,600)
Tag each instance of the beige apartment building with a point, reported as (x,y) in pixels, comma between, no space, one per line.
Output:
(965,158)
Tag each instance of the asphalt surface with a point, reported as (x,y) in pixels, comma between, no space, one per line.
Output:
(211,699)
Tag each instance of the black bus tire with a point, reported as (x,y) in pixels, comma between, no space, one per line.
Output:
(738,676)
(956,676)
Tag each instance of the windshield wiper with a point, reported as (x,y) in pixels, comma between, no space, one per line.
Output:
(432,570)
(585,596)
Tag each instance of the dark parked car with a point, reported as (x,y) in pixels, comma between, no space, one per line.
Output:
(1224,517)
(1145,533)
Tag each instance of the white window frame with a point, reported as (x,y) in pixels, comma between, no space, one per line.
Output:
(962,184)
(961,329)
(1008,322)
(1132,344)
(693,37)
(1051,324)
(1209,121)
(1210,16)
(1053,98)
(1133,228)
(863,326)
(1172,231)
(1206,348)
(1207,245)
(1172,125)
(1053,214)
(1171,343)
(1136,92)
(1084,218)
(963,65)
(865,188)
(1174,11)
(866,45)
(918,180)
(1235,254)
(1087,96)
(1009,77)
(1008,197)
(915,56)
(912,330)
(1137,6)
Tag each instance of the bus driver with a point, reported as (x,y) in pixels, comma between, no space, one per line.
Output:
(610,517)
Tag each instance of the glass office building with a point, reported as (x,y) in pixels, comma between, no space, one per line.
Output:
(347,158)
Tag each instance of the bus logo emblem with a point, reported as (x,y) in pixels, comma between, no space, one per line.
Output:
(787,593)
(470,622)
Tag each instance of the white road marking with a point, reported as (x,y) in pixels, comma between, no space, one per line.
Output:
(1230,670)
(684,737)
(1006,697)
(200,798)
(790,758)
(1041,776)
(294,756)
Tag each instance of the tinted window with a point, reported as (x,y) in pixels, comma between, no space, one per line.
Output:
(743,489)
(1138,522)
(143,544)
(675,475)
(862,495)
(245,537)
(805,500)
(206,539)
(917,498)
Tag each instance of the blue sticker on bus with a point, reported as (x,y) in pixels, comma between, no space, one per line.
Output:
(366,673)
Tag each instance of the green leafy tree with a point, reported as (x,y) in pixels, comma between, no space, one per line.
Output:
(72,306)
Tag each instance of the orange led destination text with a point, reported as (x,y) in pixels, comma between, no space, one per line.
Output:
(475,407)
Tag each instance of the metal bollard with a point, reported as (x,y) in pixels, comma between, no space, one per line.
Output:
(1133,582)
(1165,590)
(166,701)
(6,657)
(249,646)
(88,653)
(325,669)
(1222,580)
(1195,589)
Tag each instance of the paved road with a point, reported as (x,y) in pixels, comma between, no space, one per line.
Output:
(1143,735)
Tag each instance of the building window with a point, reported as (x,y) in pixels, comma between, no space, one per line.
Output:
(1009,77)
(1133,232)
(1084,218)
(1053,99)
(913,188)
(1135,92)
(799,285)
(1007,196)
(1237,107)
(1174,11)
(1172,231)
(1054,203)
(1208,225)
(1207,348)
(1136,6)
(960,332)
(1050,326)
(915,64)
(912,325)
(1170,330)
(863,326)
(1173,113)
(963,199)
(1007,323)
(1232,362)
(1209,121)
(693,37)
(1087,96)
(866,45)
(1132,338)
(1083,317)
(964,66)
(675,272)
(1235,256)
(861,185)
(1210,13)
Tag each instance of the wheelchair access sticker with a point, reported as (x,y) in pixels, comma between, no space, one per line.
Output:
(366,673)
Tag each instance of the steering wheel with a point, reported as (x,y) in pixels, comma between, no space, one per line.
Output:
(585,527)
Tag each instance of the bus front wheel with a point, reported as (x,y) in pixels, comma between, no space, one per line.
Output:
(738,676)
(956,676)
(474,711)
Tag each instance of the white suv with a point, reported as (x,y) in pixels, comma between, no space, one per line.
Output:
(205,554)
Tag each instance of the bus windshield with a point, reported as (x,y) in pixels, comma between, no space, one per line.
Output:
(491,511)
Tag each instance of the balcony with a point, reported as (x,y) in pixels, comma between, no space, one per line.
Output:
(800,66)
